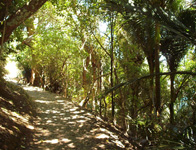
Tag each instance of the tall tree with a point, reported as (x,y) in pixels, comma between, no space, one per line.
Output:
(163,15)
(174,49)
(112,60)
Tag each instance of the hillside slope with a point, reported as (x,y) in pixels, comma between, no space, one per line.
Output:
(16,113)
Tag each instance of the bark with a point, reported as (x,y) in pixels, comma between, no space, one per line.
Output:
(172,76)
(151,68)
(106,106)
(121,100)
(37,79)
(112,61)
(94,67)
(173,94)
(84,75)
(99,82)
(157,70)
(19,17)
(66,93)
(65,90)
(32,76)
(35,75)
(89,86)
(133,101)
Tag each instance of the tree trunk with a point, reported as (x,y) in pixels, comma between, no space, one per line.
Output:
(84,75)
(172,90)
(151,68)
(35,76)
(99,82)
(37,79)
(105,104)
(94,67)
(32,76)
(122,120)
(157,71)
(112,61)
(66,93)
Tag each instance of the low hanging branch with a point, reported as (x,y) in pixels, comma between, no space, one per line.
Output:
(144,77)
(18,17)
(182,84)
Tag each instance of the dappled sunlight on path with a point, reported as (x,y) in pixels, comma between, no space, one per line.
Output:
(62,126)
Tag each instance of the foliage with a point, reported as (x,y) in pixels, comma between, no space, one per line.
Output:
(65,50)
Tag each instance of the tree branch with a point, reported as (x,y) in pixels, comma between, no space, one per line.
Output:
(100,44)
(19,17)
(182,84)
(144,77)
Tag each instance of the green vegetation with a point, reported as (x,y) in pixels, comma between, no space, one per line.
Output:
(137,70)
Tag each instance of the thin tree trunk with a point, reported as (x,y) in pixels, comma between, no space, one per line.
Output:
(121,104)
(172,76)
(94,67)
(32,76)
(99,87)
(66,82)
(105,103)
(112,61)
(157,70)
(151,68)
(85,86)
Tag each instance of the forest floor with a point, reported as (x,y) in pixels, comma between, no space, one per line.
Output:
(61,125)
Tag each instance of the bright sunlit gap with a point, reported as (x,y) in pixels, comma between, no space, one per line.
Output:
(11,68)
(31,88)
(102,27)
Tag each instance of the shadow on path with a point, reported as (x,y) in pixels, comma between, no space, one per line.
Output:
(63,126)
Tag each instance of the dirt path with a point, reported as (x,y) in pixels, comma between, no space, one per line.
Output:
(63,126)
